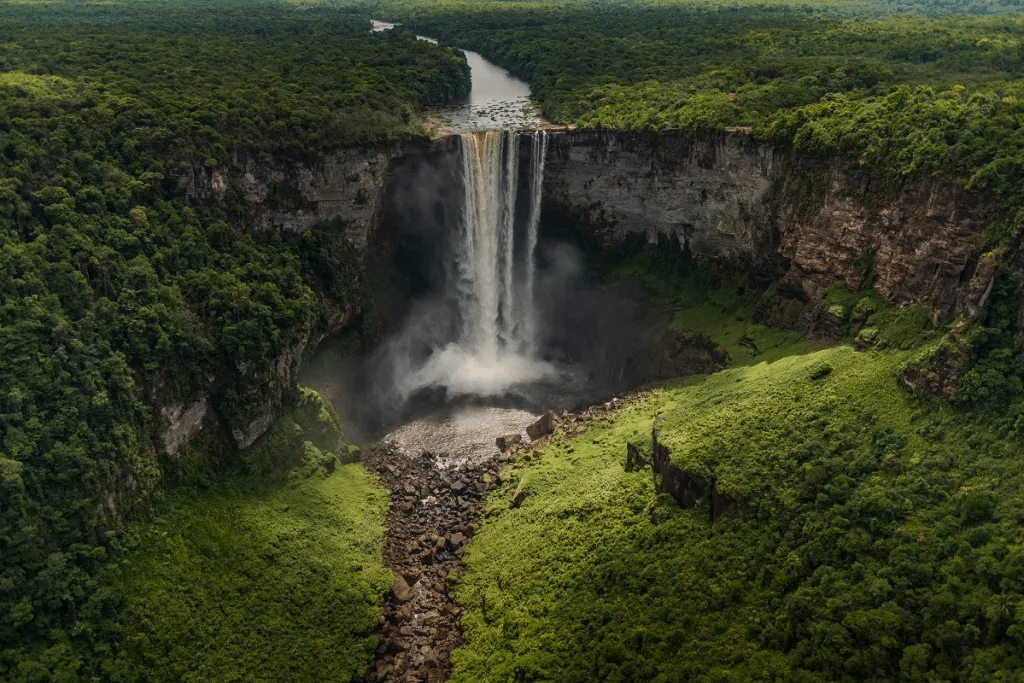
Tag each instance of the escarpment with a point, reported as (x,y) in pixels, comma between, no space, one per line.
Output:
(802,223)
(799,223)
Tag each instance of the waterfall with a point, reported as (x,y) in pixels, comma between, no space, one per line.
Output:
(491,270)
(494,296)
(527,311)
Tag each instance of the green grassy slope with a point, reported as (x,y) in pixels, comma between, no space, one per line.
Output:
(283,585)
(875,539)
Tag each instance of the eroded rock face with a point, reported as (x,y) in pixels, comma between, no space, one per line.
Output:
(274,383)
(711,192)
(919,241)
(727,196)
(804,224)
(180,423)
(347,184)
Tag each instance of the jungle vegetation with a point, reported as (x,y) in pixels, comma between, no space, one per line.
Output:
(873,533)
(120,294)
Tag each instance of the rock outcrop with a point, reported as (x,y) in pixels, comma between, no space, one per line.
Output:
(920,241)
(180,423)
(347,184)
(804,223)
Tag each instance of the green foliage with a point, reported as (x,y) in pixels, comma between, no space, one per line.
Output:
(994,376)
(873,321)
(873,539)
(281,586)
(905,89)
(119,294)
(705,299)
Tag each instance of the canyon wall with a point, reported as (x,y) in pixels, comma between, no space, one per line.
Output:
(711,192)
(347,184)
(805,224)
(801,223)
(725,195)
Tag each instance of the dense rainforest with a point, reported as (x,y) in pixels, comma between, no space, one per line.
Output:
(121,294)
(907,90)
(880,534)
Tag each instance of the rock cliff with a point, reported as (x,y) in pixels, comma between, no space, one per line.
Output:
(347,184)
(806,224)
(711,192)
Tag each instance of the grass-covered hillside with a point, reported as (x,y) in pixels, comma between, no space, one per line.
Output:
(119,294)
(283,584)
(873,535)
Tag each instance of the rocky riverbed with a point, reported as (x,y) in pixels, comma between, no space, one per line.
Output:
(438,472)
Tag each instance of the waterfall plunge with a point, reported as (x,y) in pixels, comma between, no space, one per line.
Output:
(490,273)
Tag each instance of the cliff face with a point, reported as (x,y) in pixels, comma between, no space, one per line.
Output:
(348,185)
(712,193)
(728,196)
(725,195)
(922,241)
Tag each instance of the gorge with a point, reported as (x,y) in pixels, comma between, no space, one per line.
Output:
(459,218)
(726,197)
(308,375)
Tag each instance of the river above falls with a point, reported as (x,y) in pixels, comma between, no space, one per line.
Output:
(497,99)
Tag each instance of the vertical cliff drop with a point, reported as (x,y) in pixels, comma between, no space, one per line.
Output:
(490,273)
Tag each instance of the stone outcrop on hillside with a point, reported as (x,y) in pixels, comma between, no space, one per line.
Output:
(920,242)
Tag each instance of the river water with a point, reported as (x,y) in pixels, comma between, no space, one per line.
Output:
(497,98)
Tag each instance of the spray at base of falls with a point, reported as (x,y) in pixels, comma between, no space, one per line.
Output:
(490,274)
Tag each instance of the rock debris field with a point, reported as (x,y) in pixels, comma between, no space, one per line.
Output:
(436,496)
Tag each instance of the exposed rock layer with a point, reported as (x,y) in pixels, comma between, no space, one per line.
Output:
(727,196)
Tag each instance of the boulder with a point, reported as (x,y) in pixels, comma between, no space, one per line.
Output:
(508,441)
(542,427)
(401,589)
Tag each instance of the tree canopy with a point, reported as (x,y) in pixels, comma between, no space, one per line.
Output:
(120,294)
